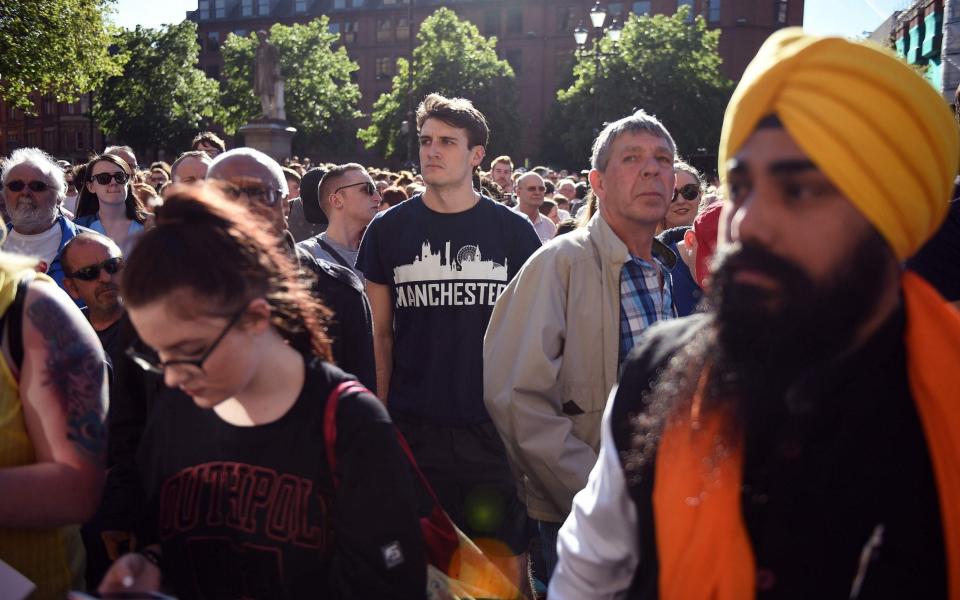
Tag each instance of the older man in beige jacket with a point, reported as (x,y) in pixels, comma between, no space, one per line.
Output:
(570,316)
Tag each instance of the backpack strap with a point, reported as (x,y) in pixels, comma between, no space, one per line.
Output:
(332,252)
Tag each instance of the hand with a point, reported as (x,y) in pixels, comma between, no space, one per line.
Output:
(131,573)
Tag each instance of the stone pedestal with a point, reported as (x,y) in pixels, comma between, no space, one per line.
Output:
(272,137)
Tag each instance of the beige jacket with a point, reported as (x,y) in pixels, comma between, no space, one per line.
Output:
(550,360)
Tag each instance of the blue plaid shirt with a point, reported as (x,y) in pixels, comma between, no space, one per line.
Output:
(646,296)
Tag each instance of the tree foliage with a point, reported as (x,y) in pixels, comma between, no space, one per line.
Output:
(454,60)
(54,47)
(161,99)
(320,99)
(667,65)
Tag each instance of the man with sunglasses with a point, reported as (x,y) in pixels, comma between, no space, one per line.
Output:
(34,189)
(561,329)
(349,199)
(530,193)
(92,264)
(250,176)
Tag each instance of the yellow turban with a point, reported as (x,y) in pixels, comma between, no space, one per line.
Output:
(874,126)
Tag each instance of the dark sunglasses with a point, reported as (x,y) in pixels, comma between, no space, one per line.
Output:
(689,192)
(36,186)
(111,266)
(104,178)
(255,193)
(152,365)
(369,190)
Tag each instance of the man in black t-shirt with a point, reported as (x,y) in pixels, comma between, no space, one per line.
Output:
(434,266)
(91,266)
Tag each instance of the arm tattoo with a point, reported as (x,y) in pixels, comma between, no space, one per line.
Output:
(75,371)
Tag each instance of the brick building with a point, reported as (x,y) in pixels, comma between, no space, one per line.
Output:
(535,36)
(927,34)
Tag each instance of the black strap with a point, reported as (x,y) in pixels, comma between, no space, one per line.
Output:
(336,255)
(15,322)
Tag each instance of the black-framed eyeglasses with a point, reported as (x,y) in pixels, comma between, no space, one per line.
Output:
(37,186)
(111,265)
(152,365)
(369,190)
(261,195)
(689,192)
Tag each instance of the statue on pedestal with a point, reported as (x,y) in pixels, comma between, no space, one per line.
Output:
(267,81)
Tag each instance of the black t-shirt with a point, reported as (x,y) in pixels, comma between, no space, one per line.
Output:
(251,512)
(446,271)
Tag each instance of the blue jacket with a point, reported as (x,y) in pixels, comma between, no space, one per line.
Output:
(68,230)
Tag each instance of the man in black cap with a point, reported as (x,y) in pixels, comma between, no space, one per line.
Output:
(300,226)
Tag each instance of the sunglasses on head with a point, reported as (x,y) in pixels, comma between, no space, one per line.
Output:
(36,186)
(104,178)
(111,266)
(369,188)
(689,192)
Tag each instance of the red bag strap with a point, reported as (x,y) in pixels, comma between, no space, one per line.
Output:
(330,435)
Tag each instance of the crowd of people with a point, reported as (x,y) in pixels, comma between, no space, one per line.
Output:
(233,377)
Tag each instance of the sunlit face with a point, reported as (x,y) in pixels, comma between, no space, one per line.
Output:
(636,187)
(530,191)
(261,191)
(31,211)
(353,202)
(190,170)
(501,173)
(781,202)
(229,368)
(445,159)
(102,293)
(683,211)
(568,190)
(212,151)
(294,186)
(157,178)
(111,193)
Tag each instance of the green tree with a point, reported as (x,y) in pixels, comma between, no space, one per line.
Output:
(161,99)
(452,59)
(667,65)
(54,47)
(320,99)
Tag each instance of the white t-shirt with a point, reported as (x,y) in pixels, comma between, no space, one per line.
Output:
(70,203)
(43,245)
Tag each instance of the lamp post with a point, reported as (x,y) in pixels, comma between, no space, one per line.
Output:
(598,15)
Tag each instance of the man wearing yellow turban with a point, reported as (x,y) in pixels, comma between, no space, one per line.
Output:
(801,439)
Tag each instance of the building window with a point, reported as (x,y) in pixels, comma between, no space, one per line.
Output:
(80,143)
(213,41)
(33,138)
(350,29)
(300,6)
(403,28)
(713,11)
(641,8)
(515,21)
(203,7)
(782,10)
(221,8)
(491,22)
(339,3)
(385,66)
(240,32)
(689,3)
(615,9)
(263,7)
(333,27)
(514,57)
(563,64)
(49,140)
(385,30)
(49,106)
(246,8)
(565,20)
(358,3)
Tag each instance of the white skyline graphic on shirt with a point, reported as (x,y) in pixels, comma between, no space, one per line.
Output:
(468,264)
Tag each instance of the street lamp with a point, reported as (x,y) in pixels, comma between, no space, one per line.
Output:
(598,16)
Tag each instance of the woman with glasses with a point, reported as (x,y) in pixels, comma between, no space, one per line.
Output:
(107,203)
(686,197)
(241,499)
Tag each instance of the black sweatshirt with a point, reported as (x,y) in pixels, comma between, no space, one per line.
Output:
(252,512)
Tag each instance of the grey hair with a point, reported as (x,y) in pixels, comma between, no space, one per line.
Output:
(197,154)
(680,165)
(38,159)
(638,122)
(273,166)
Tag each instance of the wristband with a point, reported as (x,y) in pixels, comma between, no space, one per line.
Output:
(152,556)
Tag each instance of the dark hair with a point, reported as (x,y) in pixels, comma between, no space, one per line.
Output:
(489,187)
(566,226)
(89,204)
(503,158)
(547,206)
(331,178)
(455,112)
(393,195)
(289,174)
(215,249)
(550,187)
(211,139)
(163,166)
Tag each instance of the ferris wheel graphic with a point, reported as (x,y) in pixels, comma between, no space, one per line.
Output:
(468,254)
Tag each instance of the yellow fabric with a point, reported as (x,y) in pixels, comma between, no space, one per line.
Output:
(51,558)
(874,126)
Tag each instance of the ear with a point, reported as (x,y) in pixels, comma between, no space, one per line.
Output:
(90,187)
(690,240)
(596,183)
(71,288)
(478,153)
(257,319)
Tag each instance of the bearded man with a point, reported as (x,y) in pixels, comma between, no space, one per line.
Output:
(799,440)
